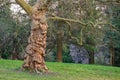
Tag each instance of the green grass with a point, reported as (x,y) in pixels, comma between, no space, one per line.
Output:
(59,71)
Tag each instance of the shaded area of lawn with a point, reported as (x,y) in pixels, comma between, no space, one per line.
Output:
(59,71)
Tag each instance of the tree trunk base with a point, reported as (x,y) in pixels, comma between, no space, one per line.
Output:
(35,63)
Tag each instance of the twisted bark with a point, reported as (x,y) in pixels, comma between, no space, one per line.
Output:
(34,59)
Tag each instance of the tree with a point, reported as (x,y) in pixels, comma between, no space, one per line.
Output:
(6,33)
(80,33)
(34,59)
(112,33)
(85,25)
(115,35)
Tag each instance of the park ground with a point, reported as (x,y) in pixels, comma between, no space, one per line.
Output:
(10,70)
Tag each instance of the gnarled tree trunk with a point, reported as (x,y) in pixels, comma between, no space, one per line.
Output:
(35,51)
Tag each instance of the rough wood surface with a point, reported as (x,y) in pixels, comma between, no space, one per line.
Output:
(35,51)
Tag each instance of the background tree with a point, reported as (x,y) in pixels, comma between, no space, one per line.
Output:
(88,16)
(13,31)
(112,33)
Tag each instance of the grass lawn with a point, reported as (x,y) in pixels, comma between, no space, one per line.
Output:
(59,71)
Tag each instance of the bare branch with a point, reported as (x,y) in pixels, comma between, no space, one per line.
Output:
(65,19)
(25,6)
(73,37)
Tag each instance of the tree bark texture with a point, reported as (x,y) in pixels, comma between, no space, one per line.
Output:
(59,46)
(112,55)
(112,52)
(35,51)
(91,57)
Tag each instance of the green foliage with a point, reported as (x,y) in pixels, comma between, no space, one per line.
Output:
(112,34)
(13,32)
(14,36)
(82,10)
(6,22)
(50,57)
(9,70)
(66,54)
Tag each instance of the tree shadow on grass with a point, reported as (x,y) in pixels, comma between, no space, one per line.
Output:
(49,73)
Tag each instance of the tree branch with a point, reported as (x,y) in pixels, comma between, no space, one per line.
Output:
(73,37)
(107,23)
(25,6)
(65,19)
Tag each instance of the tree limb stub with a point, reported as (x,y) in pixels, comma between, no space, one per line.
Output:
(25,6)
